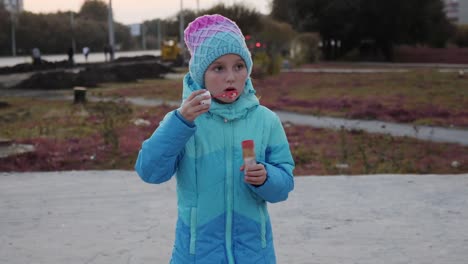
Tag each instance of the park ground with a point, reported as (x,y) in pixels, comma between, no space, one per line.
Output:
(107,134)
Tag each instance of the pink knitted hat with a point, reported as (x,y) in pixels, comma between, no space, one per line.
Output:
(210,37)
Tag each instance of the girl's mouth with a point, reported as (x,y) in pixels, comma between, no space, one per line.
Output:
(229,93)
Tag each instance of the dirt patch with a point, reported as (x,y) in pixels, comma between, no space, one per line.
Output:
(4,105)
(421,97)
(431,55)
(325,152)
(28,67)
(107,148)
(105,137)
(64,64)
(93,75)
(111,138)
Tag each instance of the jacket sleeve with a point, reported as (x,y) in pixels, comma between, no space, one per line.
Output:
(279,165)
(159,155)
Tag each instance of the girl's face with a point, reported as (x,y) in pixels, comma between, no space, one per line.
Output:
(225,78)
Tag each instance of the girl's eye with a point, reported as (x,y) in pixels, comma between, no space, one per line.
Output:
(217,68)
(240,66)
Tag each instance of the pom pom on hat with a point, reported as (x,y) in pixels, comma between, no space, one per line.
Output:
(210,37)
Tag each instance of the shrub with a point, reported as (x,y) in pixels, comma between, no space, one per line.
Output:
(305,48)
(275,38)
(461,36)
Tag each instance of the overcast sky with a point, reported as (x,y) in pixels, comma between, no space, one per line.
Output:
(136,11)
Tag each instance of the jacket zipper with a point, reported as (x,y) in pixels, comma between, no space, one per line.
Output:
(193,229)
(263,225)
(229,192)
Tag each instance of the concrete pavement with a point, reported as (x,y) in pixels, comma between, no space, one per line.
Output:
(428,133)
(113,217)
(78,58)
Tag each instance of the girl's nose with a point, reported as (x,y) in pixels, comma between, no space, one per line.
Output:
(230,76)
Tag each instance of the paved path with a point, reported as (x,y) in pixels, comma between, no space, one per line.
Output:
(79,58)
(430,133)
(345,70)
(113,217)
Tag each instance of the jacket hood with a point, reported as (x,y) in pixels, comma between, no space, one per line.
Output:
(238,109)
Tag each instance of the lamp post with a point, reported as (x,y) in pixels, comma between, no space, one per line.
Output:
(181,31)
(13,33)
(143,36)
(159,34)
(111,32)
(14,8)
(181,24)
(72,26)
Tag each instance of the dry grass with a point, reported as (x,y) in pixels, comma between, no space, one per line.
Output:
(418,96)
(104,135)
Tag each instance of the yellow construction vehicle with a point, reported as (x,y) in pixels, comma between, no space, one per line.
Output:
(172,53)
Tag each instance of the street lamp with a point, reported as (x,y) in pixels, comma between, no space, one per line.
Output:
(72,27)
(181,31)
(111,32)
(181,24)
(14,9)
(13,33)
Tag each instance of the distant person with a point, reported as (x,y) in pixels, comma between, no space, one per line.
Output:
(111,53)
(106,52)
(229,154)
(86,51)
(36,56)
(71,53)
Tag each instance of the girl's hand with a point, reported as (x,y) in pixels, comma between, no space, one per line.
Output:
(254,174)
(192,107)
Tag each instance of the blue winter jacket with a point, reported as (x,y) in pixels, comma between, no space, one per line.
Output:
(221,219)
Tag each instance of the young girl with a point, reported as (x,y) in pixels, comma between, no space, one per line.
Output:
(222,212)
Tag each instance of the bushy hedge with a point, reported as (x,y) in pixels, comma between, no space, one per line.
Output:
(305,48)
(461,36)
(276,39)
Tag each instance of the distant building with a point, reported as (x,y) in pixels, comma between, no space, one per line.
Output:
(457,11)
(13,5)
(463,18)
